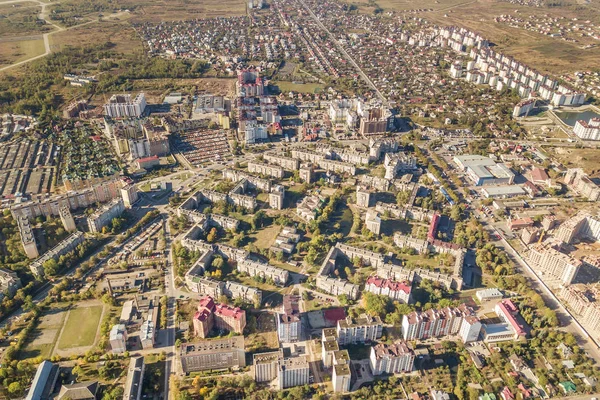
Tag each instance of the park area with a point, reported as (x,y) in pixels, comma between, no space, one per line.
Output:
(65,329)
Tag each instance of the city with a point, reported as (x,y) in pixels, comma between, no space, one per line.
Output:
(299,199)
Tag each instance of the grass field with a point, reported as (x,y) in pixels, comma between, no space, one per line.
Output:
(118,32)
(174,10)
(264,238)
(81,327)
(21,19)
(12,52)
(286,87)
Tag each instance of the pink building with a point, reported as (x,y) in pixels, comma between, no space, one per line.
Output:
(400,291)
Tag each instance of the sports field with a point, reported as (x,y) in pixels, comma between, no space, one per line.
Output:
(81,327)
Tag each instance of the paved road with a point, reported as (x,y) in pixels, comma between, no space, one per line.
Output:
(344,52)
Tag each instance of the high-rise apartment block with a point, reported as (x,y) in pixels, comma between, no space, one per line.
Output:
(121,105)
(391,358)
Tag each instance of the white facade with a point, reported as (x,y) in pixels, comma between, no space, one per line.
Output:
(122,106)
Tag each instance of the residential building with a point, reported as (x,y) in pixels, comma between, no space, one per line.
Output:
(589,130)
(121,105)
(27,238)
(65,246)
(79,391)
(398,162)
(398,291)
(266,366)
(363,329)
(582,225)
(213,354)
(547,259)
(578,181)
(252,268)
(286,241)
(437,323)
(66,218)
(289,323)
(391,358)
(118,339)
(440,395)
(373,221)
(293,371)
(105,214)
(9,283)
(129,194)
(135,379)
(266,169)
(341,375)
(221,316)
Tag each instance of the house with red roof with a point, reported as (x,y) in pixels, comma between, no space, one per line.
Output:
(211,315)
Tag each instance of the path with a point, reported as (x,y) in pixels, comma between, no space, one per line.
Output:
(46,36)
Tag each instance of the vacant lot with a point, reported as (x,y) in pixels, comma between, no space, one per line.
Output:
(21,19)
(577,158)
(12,51)
(173,10)
(81,327)
(44,337)
(286,87)
(118,32)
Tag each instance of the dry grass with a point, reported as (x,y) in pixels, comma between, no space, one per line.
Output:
(173,10)
(118,32)
(19,50)
(578,158)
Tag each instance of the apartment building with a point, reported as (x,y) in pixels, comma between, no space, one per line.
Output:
(398,162)
(336,359)
(213,354)
(211,315)
(589,130)
(266,365)
(266,169)
(27,238)
(65,246)
(215,289)
(121,105)
(437,323)
(9,282)
(578,181)
(66,218)
(135,379)
(373,221)
(289,322)
(293,371)
(391,358)
(547,258)
(105,214)
(363,329)
(582,225)
(129,194)
(398,291)
(252,268)
(581,300)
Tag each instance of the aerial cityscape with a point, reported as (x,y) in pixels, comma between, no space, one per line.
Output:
(299,199)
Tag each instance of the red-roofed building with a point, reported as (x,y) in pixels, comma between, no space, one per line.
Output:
(524,391)
(506,394)
(399,291)
(516,224)
(433,226)
(540,177)
(147,162)
(221,316)
(509,313)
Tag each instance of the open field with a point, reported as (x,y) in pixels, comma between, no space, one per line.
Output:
(19,50)
(120,33)
(81,327)
(264,238)
(45,334)
(21,18)
(577,158)
(173,10)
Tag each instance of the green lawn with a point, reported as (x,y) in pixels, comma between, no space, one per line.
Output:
(264,238)
(81,327)
(286,87)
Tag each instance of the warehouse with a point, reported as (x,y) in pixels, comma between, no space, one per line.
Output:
(484,171)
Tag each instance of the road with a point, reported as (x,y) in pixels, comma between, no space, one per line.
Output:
(344,52)
(171,293)
(46,36)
